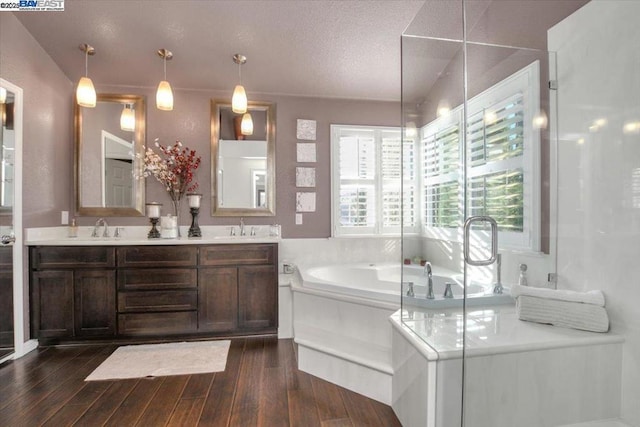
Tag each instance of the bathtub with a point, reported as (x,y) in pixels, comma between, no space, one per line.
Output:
(381,282)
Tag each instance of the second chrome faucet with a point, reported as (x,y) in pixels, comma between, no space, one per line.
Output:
(429,273)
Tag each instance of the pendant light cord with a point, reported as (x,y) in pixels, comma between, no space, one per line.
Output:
(86,63)
(164,60)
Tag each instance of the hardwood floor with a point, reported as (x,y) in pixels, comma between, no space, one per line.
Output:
(261,386)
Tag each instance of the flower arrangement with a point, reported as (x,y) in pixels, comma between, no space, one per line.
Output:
(174,169)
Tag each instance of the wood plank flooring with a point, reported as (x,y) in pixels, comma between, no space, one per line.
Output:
(261,386)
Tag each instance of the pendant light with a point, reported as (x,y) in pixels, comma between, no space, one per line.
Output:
(3,95)
(246,126)
(164,96)
(239,99)
(128,118)
(86,93)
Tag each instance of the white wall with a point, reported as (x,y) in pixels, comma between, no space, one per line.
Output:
(599,168)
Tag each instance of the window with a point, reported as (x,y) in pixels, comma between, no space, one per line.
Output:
(367,169)
(502,163)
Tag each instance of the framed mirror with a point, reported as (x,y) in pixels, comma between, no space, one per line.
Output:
(243,162)
(107,139)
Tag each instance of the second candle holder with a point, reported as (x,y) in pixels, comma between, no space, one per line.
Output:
(194,207)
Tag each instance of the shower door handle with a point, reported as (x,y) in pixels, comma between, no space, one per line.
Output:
(494,240)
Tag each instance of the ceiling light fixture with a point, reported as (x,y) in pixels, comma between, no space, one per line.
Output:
(86,93)
(239,99)
(128,118)
(164,95)
(246,127)
(3,95)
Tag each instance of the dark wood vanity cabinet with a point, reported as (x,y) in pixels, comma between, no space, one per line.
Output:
(72,292)
(157,290)
(134,291)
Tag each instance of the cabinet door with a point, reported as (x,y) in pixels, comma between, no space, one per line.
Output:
(217,299)
(258,297)
(95,302)
(52,303)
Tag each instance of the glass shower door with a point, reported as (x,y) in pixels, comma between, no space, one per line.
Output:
(7,146)
(508,197)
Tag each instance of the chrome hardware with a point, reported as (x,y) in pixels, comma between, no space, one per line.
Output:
(242,232)
(552,278)
(494,240)
(118,233)
(448,293)
(410,292)
(497,287)
(8,238)
(253,231)
(428,271)
(101,222)
(232,231)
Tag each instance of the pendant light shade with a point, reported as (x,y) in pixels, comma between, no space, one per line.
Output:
(246,127)
(239,99)
(164,95)
(86,93)
(128,119)
(3,95)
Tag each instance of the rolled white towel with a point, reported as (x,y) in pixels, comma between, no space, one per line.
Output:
(590,297)
(587,317)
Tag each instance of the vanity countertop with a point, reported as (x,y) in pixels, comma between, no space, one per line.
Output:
(130,236)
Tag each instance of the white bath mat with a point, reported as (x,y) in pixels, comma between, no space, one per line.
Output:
(157,360)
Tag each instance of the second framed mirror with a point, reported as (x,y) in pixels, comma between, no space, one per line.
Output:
(243,159)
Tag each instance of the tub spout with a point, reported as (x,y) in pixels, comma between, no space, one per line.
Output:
(428,271)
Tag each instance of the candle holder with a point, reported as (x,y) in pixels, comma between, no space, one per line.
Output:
(153,212)
(194,207)
(154,233)
(194,230)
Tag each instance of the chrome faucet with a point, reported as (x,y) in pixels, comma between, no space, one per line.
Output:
(497,287)
(242,232)
(101,222)
(429,273)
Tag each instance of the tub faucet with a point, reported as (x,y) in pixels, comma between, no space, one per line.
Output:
(101,222)
(242,232)
(429,273)
(448,293)
(497,287)
(410,292)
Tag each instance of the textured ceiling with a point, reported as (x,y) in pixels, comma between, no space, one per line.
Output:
(343,49)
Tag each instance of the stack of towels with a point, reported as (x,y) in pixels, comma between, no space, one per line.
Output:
(568,309)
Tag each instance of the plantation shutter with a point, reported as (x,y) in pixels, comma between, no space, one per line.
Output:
(357,164)
(395,152)
(441,165)
(374,178)
(495,156)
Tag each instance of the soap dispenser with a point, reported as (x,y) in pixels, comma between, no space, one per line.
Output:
(522,281)
(73,228)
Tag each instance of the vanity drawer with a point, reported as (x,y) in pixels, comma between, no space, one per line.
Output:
(237,254)
(72,257)
(157,279)
(157,323)
(157,256)
(142,301)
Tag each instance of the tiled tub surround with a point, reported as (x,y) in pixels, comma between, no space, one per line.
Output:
(344,339)
(340,317)
(516,373)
